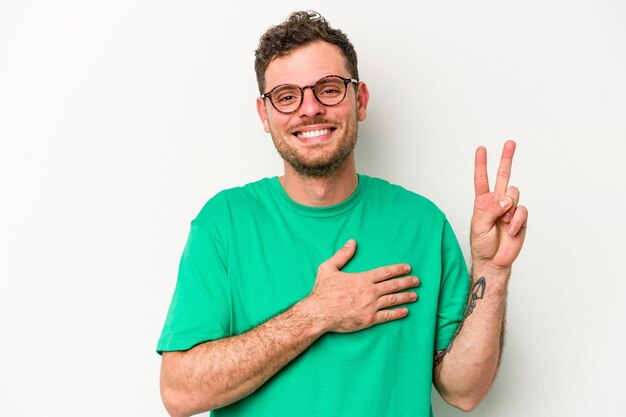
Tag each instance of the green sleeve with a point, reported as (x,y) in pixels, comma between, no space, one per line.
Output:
(454,288)
(200,307)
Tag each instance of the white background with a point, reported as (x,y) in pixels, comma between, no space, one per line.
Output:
(119,119)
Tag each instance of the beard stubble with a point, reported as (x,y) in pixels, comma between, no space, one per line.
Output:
(313,163)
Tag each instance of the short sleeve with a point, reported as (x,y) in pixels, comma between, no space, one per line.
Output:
(455,282)
(200,309)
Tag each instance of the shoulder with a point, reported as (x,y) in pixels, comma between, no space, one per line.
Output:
(402,198)
(226,203)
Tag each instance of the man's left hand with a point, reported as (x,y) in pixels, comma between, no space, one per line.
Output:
(498,224)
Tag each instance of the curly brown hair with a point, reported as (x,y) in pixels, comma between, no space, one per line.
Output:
(299,29)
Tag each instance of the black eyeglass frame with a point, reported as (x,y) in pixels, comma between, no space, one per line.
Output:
(346,81)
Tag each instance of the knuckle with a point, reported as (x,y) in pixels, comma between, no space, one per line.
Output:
(370,292)
(393,300)
(387,315)
(480,176)
(369,319)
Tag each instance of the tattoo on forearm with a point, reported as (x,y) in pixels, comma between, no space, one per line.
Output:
(477,293)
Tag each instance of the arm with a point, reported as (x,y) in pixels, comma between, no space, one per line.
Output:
(220,372)
(465,371)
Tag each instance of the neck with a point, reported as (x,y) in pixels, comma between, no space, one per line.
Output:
(320,191)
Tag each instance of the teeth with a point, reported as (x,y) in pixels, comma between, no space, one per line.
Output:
(313,133)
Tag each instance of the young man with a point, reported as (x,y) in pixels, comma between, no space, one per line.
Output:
(269,318)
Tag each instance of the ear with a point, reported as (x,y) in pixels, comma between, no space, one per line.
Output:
(362,98)
(262,111)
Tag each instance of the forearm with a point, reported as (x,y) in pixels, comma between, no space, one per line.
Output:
(220,372)
(466,370)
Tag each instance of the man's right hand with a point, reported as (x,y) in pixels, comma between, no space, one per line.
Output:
(347,302)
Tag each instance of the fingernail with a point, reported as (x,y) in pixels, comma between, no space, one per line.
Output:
(348,243)
(505,202)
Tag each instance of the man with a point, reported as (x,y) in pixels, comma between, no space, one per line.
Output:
(269,318)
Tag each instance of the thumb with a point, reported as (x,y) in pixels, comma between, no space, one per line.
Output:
(343,255)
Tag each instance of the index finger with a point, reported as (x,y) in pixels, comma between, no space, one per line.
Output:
(504,169)
(481,179)
(384,273)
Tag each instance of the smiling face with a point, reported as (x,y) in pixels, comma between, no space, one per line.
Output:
(315,140)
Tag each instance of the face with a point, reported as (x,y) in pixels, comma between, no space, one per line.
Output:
(315,140)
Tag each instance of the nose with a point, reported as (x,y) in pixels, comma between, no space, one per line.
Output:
(310,107)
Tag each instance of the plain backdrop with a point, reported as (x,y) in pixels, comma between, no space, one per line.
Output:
(119,119)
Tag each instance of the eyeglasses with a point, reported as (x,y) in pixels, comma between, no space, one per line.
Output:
(329,91)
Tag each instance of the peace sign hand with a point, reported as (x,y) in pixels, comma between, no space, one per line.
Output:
(498,224)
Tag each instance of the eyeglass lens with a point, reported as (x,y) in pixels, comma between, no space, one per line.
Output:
(329,91)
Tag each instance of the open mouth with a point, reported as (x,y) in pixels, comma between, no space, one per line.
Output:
(313,133)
